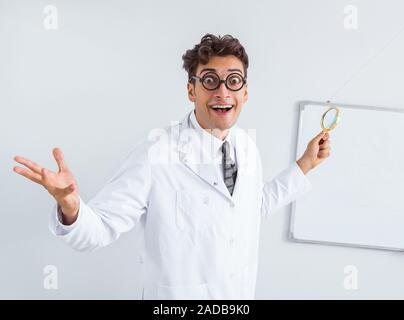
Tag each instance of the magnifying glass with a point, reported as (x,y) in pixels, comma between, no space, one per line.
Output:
(330,119)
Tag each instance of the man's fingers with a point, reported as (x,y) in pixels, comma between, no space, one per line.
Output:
(29,164)
(29,175)
(320,138)
(325,145)
(58,155)
(324,154)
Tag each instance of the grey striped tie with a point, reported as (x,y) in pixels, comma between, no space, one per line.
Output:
(229,168)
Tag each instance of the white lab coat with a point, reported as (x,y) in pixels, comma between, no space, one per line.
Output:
(200,242)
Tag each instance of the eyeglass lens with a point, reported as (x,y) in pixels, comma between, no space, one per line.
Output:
(211,81)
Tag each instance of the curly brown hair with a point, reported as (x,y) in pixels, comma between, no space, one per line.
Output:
(212,45)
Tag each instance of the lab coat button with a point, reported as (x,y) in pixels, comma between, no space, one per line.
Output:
(231,241)
(215,183)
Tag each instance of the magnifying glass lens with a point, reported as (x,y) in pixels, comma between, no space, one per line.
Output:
(330,119)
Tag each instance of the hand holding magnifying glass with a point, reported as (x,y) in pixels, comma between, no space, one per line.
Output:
(329,121)
(319,147)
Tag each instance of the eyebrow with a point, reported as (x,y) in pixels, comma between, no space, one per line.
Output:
(214,70)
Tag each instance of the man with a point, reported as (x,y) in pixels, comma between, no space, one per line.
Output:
(195,187)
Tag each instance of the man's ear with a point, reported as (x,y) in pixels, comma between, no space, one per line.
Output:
(191,92)
(245,93)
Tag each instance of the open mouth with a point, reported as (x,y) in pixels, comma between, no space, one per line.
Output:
(222,108)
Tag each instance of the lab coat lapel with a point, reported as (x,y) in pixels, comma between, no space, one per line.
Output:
(193,156)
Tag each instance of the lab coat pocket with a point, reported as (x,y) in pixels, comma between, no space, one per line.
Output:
(191,292)
(193,210)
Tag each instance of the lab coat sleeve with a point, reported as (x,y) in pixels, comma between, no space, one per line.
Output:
(116,209)
(286,187)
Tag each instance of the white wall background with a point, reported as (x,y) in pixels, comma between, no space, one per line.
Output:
(112,71)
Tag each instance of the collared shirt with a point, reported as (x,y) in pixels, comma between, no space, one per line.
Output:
(214,147)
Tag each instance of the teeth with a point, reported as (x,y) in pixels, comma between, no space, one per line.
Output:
(222,107)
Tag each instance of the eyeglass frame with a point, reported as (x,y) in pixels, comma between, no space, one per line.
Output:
(244,79)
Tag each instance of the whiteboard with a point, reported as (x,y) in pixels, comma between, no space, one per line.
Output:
(357,197)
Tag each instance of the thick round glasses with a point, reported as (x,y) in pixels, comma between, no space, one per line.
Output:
(211,81)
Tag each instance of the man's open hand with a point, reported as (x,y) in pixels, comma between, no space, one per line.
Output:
(61,185)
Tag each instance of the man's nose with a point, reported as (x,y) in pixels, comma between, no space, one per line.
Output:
(222,91)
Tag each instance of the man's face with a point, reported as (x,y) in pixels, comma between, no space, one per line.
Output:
(206,100)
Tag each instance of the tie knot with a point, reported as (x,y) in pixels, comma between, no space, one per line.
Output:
(226,149)
(226,153)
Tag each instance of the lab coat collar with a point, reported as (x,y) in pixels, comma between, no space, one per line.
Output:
(193,156)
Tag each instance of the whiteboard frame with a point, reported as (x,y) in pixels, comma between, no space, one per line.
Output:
(302,105)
